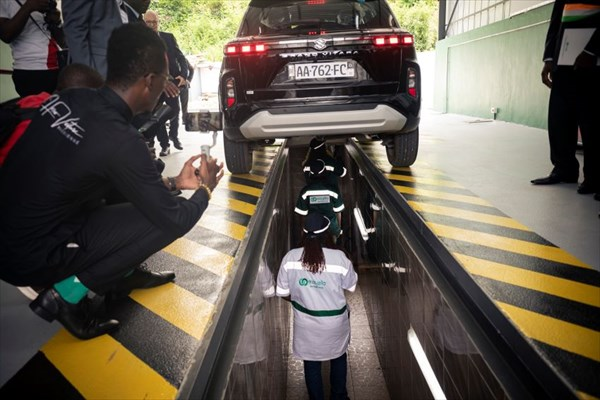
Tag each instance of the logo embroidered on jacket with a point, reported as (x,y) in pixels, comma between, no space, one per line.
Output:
(60,113)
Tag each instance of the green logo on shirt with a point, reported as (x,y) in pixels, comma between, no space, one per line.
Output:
(319,200)
(315,284)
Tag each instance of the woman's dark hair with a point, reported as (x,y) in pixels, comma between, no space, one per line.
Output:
(313,258)
(134,51)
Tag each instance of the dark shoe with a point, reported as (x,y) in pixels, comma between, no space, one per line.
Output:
(141,278)
(553,179)
(586,188)
(76,318)
(177,144)
(160,165)
(165,151)
(597,196)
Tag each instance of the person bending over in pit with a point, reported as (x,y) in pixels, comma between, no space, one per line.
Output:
(319,196)
(334,168)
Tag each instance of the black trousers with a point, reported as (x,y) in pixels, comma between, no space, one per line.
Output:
(113,241)
(162,134)
(575,103)
(184,96)
(28,82)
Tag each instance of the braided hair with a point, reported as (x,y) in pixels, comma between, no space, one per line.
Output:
(316,236)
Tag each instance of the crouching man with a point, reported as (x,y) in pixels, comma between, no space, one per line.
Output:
(55,230)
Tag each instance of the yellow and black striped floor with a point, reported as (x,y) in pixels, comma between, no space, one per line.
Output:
(551,296)
(161,328)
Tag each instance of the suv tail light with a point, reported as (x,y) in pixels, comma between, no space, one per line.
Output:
(232,49)
(230,92)
(412,82)
(394,40)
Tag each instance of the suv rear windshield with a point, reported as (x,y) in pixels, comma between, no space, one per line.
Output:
(272,17)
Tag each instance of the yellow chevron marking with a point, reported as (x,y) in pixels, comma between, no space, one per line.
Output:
(233,204)
(178,306)
(266,168)
(102,368)
(468,215)
(236,187)
(564,335)
(444,196)
(507,244)
(419,168)
(383,164)
(428,181)
(585,396)
(265,156)
(255,178)
(217,224)
(270,150)
(579,292)
(202,256)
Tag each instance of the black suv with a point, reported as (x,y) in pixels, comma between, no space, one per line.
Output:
(333,68)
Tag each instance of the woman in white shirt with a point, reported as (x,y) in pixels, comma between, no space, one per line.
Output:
(31,28)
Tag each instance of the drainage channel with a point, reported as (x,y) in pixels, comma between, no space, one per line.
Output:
(422,328)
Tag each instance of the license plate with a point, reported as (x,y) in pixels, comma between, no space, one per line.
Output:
(338,69)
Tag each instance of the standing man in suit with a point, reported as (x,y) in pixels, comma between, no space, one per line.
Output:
(574,99)
(178,69)
(135,9)
(88,25)
(184,94)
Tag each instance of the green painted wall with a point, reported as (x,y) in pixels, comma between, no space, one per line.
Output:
(7,88)
(498,65)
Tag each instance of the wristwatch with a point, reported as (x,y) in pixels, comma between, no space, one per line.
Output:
(172,184)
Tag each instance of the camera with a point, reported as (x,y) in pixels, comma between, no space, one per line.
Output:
(49,16)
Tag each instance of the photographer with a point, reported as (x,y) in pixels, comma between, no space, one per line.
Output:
(55,230)
(32,29)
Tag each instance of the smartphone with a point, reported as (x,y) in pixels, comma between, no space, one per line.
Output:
(204,121)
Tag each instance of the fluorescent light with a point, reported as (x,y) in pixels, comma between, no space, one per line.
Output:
(426,370)
(360,222)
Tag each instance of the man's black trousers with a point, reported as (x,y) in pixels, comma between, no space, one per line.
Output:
(114,240)
(575,102)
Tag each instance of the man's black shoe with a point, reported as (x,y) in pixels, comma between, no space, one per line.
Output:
(141,278)
(165,151)
(597,196)
(76,318)
(177,144)
(586,188)
(552,179)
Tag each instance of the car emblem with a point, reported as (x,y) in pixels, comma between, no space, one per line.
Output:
(320,44)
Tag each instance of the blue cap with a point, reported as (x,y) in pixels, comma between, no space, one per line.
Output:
(315,223)
(317,167)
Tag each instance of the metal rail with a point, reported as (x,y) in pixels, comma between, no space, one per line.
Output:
(520,369)
(209,374)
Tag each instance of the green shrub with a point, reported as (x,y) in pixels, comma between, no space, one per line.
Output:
(202,27)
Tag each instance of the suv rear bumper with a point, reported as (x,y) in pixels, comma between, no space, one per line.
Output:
(267,125)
